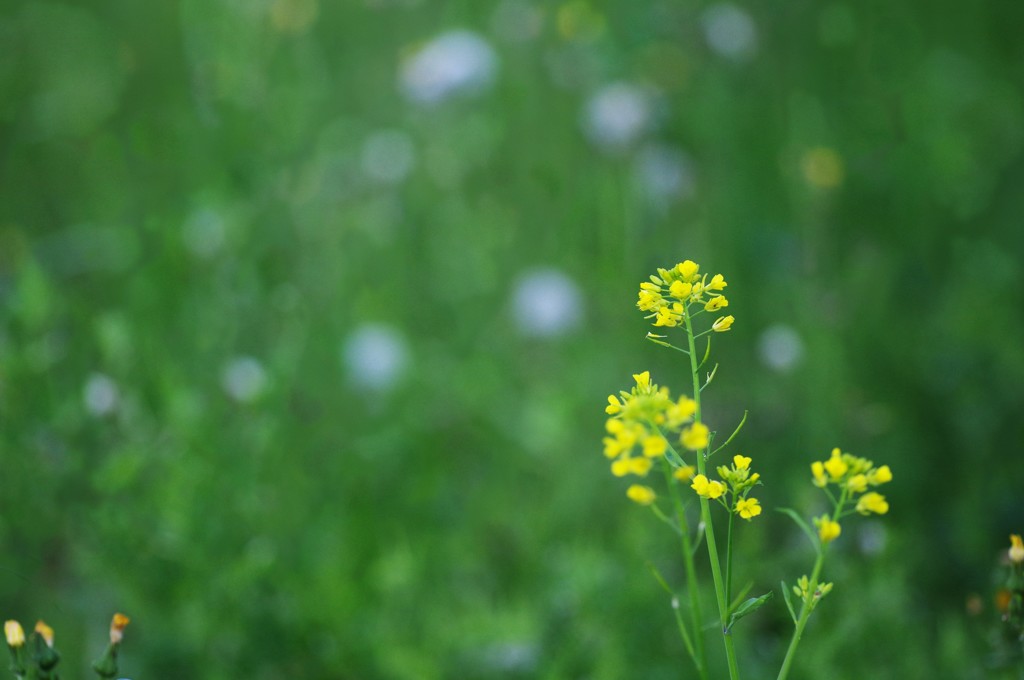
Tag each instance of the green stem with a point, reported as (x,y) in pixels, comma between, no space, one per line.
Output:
(805,613)
(705,513)
(700,657)
(809,604)
(728,561)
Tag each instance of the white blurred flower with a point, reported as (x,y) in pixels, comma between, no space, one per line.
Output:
(547,303)
(375,356)
(243,378)
(729,31)
(205,232)
(664,174)
(872,537)
(456,62)
(101,395)
(388,156)
(616,115)
(780,348)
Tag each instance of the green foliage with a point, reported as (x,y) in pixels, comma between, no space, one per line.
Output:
(203,203)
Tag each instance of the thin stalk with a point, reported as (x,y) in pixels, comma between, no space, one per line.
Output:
(805,613)
(728,561)
(700,656)
(705,513)
(809,604)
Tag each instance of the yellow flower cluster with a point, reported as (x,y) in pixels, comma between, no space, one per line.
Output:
(668,296)
(853,476)
(640,420)
(737,480)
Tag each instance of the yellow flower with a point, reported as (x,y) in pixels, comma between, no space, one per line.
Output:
(688,270)
(872,502)
(1016,549)
(695,437)
(631,466)
(828,530)
(741,462)
(614,405)
(857,483)
(117,626)
(655,446)
(680,290)
(15,634)
(880,476)
(706,488)
(748,508)
(836,466)
(716,303)
(685,473)
(644,495)
(648,301)
(717,282)
(669,315)
(613,447)
(643,380)
(722,324)
(45,632)
(818,470)
(681,411)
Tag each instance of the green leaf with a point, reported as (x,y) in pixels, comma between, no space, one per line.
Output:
(789,602)
(747,608)
(802,523)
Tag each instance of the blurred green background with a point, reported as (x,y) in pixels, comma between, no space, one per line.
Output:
(309,310)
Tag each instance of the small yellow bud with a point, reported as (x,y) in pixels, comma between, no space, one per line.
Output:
(45,632)
(117,626)
(644,495)
(836,466)
(818,470)
(620,468)
(872,502)
(1016,549)
(828,530)
(685,473)
(857,483)
(614,405)
(15,634)
(880,476)
(722,324)
(643,380)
